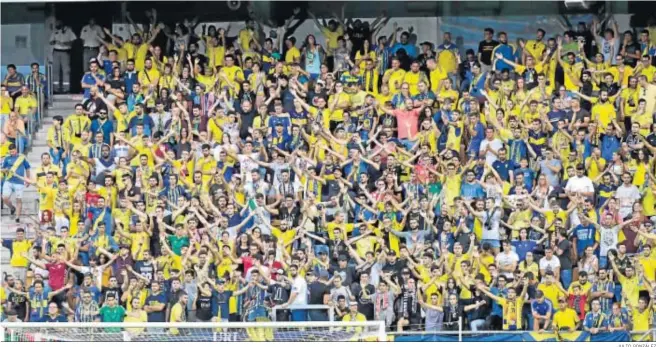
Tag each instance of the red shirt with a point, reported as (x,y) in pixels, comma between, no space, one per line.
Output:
(274,266)
(247,261)
(57,275)
(411,118)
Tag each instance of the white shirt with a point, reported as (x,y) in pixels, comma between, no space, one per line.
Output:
(300,288)
(504,259)
(551,264)
(579,185)
(89,35)
(63,38)
(495,144)
(627,196)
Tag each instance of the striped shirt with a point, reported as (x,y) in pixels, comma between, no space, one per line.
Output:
(86,313)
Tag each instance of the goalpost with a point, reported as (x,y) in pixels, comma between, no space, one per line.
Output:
(194,332)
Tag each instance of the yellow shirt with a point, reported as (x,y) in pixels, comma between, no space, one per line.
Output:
(512,313)
(245,36)
(395,77)
(23,104)
(535,48)
(593,170)
(447,60)
(345,227)
(47,197)
(17,250)
(216,55)
(143,317)
(435,77)
(603,113)
(140,56)
(631,287)
(565,318)
(551,292)
(363,64)
(148,77)
(177,315)
(338,113)
(331,39)
(649,73)
(641,320)
(233,73)
(575,71)
(412,79)
(292,55)
(615,71)
(6,104)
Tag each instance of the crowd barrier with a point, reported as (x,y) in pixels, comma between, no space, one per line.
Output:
(522,336)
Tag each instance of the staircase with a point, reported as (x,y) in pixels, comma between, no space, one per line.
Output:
(62,105)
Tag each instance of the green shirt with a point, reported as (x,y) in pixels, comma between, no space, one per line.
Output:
(177,242)
(112,315)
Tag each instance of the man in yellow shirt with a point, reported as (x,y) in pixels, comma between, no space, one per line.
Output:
(25,105)
(535,48)
(179,311)
(549,287)
(293,55)
(76,123)
(630,283)
(646,69)
(394,77)
(512,305)
(565,319)
(18,247)
(232,73)
(148,77)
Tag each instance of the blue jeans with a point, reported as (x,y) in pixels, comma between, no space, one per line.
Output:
(566,278)
(299,315)
(476,324)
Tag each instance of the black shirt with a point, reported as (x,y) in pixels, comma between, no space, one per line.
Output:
(565,260)
(278,294)
(365,306)
(316,292)
(631,48)
(485,48)
(113,292)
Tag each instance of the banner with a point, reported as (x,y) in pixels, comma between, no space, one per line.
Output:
(577,336)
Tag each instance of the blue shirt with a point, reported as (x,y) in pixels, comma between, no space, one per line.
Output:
(585,236)
(223,301)
(408,47)
(88,79)
(148,124)
(155,299)
(105,128)
(528,177)
(542,308)
(595,320)
(471,190)
(130,78)
(8,164)
(523,247)
(508,52)
(609,145)
(503,168)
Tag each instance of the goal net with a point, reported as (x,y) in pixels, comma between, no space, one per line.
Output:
(193,332)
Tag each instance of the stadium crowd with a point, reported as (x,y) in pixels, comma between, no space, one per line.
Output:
(511,187)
